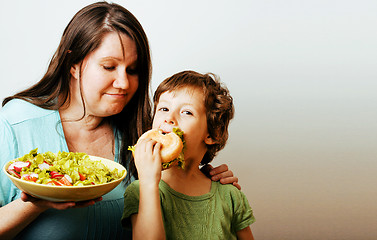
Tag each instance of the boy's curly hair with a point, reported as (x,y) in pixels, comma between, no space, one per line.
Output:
(217,101)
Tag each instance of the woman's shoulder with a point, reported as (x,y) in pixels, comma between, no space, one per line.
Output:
(17,110)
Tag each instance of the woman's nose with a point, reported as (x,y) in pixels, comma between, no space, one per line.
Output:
(121,81)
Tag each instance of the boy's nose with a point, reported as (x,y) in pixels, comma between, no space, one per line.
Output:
(170,121)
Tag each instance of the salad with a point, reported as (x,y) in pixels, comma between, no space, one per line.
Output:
(62,169)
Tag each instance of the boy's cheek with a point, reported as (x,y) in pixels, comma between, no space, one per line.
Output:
(155,123)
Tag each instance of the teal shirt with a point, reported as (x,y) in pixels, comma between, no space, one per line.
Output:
(23,127)
(219,214)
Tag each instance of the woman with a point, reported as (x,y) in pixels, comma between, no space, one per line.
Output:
(94,98)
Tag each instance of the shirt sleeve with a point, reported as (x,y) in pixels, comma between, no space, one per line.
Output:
(243,214)
(8,146)
(131,203)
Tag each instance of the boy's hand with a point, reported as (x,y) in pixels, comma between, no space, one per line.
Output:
(222,174)
(148,160)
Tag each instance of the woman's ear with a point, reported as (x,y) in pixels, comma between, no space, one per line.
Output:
(209,141)
(75,71)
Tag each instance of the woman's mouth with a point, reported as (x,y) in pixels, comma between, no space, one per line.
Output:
(116,95)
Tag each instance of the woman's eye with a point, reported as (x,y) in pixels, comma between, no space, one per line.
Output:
(109,68)
(132,71)
(163,109)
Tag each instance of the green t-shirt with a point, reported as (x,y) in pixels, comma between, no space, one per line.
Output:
(218,214)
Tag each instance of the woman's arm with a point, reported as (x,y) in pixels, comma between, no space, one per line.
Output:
(148,224)
(16,215)
(245,234)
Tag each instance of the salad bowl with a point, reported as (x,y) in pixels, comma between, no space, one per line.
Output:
(68,193)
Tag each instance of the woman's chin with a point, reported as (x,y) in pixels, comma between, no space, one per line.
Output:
(112,110)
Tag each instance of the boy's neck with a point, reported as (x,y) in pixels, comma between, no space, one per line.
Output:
(189,181)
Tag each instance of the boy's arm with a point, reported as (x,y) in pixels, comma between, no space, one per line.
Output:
(147,223)
(245,234)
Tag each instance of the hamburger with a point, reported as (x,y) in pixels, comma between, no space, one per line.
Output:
(172,146)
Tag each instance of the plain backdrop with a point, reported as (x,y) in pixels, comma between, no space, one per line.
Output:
(303,76)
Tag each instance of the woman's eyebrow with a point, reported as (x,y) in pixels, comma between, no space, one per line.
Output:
(111,58)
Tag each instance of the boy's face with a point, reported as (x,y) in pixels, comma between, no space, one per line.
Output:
(184,108)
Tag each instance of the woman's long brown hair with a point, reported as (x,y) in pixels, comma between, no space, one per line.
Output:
(82,36)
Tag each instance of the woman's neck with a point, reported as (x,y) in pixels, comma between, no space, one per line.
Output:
(73,112)
(89,134)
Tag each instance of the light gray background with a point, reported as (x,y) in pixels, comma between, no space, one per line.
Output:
(303,76)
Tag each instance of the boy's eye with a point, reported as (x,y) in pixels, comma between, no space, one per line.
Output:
(187,112)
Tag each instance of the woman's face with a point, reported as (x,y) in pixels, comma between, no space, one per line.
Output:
(109,76)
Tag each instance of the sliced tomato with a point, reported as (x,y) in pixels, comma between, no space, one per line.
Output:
(14,173)
(64,180)
(30,177)
(17,166)
(82,177)
(55,174)
(54,183)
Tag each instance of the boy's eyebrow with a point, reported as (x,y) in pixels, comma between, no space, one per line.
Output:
(192,106)
(184,103)
(162,101)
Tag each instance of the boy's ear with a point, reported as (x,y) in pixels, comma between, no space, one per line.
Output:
(209,141)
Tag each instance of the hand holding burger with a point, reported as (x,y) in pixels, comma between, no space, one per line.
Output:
(172,146)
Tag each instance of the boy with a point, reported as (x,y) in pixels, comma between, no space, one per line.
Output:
(185,204)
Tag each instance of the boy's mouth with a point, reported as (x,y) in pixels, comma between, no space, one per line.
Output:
(165,128)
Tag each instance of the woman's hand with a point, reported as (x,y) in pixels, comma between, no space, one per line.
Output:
(44,204)
(221,173)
